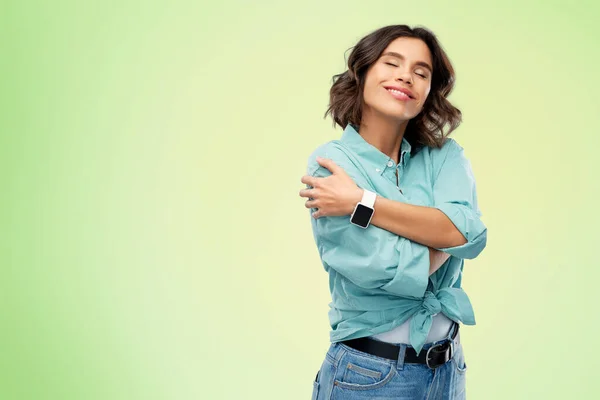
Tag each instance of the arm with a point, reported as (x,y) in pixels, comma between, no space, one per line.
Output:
(455,194)
(373,257)
(453,224)
(426,225)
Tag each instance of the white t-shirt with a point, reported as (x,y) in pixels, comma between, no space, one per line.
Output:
(440,327)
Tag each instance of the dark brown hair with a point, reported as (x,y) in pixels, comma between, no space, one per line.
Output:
(425,129)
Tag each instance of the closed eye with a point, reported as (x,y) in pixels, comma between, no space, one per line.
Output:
(394,65)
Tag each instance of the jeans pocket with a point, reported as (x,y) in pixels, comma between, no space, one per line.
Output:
(363,372)
(458,360)
(357,374)
(315,391)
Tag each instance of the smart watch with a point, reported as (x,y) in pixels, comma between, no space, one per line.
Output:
(363,212)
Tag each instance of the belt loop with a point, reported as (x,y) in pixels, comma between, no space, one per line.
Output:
(339,354)
(453,342)
(401,353)
(453,329)
(457,333)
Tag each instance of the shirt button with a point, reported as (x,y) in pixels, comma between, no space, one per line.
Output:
(377,170)
(390,163)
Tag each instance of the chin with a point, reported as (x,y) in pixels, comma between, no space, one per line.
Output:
(392,110)
(397,114)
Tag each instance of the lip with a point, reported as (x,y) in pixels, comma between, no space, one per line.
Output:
(400,89)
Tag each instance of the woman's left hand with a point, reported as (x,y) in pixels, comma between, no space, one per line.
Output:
(334,195)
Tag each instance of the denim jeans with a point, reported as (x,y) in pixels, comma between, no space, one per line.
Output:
(348,374)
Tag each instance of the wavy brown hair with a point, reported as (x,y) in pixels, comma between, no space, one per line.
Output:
(425,129)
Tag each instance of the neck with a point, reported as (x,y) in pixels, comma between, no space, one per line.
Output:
(383,133)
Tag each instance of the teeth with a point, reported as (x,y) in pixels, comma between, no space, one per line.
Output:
(398,92)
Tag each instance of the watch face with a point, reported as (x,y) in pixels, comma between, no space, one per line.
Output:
(362,215)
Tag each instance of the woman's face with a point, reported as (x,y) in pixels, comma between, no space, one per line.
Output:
(405,64)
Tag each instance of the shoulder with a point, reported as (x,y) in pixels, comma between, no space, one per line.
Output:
(450,148)
(331,150)
(451,152)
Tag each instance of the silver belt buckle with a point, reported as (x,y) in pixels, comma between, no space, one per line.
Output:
(439,345)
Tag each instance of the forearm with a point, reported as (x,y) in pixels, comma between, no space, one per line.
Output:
(425,225)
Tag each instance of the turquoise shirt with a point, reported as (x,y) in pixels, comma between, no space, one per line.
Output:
(378,279)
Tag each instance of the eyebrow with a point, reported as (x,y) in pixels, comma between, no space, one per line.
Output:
(400,56)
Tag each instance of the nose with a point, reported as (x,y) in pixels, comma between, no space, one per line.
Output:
(404,76)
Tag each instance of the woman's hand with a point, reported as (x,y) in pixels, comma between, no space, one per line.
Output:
(335,195)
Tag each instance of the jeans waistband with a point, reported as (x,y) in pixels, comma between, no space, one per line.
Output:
(334,352)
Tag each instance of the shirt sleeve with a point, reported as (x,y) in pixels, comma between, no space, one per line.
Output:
(455,194)
(372,257)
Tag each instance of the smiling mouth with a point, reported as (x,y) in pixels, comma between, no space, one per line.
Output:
(399,95)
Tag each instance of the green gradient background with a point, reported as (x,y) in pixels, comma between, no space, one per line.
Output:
(153,244)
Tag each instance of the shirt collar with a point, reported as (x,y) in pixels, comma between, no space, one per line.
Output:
(360,146)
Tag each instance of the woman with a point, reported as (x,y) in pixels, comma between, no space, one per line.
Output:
(395,214)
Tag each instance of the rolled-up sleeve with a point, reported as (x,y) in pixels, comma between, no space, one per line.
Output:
(455,194)
(372,257)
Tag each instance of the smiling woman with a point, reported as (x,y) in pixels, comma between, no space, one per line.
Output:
(394,214)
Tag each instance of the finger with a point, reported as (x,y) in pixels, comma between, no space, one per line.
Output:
(307,193)
(311,204)
(330,165)
(310,180)
(320,213)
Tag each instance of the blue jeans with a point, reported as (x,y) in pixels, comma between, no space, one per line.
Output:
(348,374)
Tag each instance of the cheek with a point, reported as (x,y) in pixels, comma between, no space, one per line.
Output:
(426,93)
(423,97)
(373,90)
(372,94)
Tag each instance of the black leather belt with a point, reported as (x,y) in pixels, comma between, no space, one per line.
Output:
(434,357)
